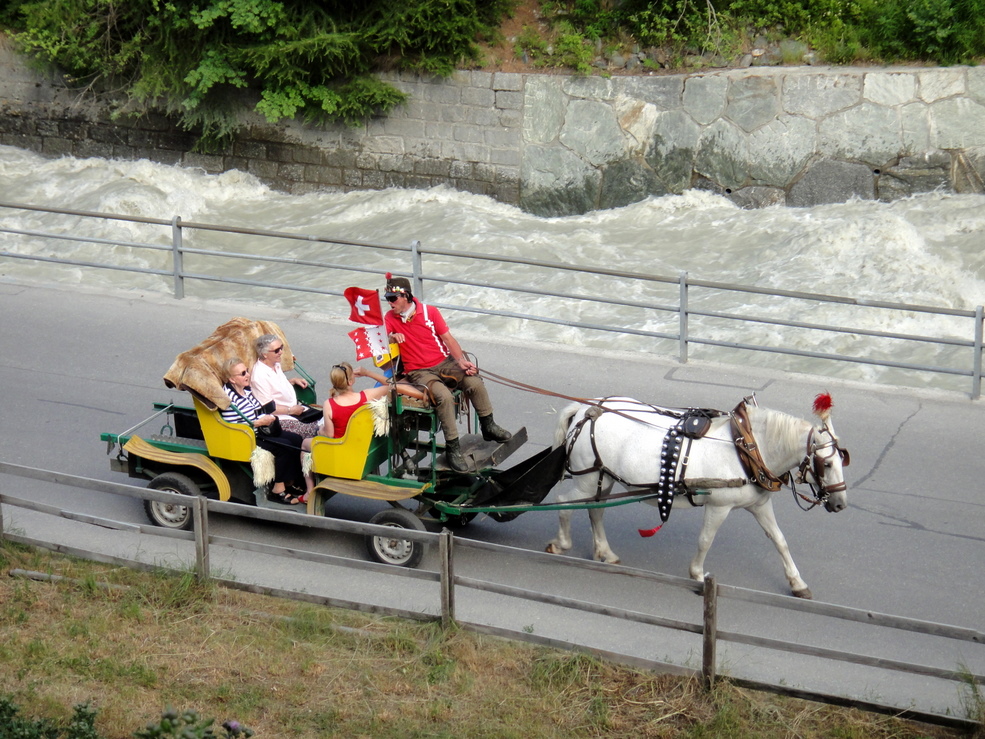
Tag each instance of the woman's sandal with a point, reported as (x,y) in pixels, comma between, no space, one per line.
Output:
(283,497)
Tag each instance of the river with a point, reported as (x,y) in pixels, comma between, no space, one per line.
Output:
(925,250)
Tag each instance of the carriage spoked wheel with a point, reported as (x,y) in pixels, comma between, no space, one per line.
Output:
(391,549)
(171,515)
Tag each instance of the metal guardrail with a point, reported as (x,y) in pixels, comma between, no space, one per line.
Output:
(684,287)
(448,581)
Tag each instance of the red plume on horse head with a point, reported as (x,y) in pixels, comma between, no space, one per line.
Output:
(823,405)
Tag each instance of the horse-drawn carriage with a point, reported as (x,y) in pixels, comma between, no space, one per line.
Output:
(390,452)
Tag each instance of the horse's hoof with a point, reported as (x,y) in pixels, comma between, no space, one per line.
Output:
(806,594)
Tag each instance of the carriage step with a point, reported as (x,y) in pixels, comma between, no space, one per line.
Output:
(481,454)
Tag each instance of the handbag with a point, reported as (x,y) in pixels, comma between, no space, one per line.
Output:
(273,429)
(310,415)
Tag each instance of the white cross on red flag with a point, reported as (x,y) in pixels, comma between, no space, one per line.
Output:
(365,306)
(370,341)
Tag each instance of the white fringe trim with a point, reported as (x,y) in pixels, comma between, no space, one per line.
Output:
(381,415)
(306,463)
(262,462)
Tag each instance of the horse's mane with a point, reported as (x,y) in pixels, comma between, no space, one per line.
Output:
(777,433)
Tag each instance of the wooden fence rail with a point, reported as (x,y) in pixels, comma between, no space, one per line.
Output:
(446,544)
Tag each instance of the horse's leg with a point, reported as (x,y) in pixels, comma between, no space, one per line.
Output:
(767,519)
(714,516)
(562,542)
(602,551)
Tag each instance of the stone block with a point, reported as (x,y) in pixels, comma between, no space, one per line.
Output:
(352,178)
(592,132)
(544,105)
(341,158)
(281,152)
(395,163)
(867,133)
(164,156)
(306,155)
(721,155)
(750,198)
(262,168)
(938,84)
(507,81)
(374,180)
(441,131)
(367,161)
(830,181)
(507,175)
(403,127)
(507,100)
(666,92)
(469,134)
(394,179)
(778,152)
(290,172)
(417,182)
(323,175)
(250,149)
(890,88)
(752,102)
(433,167)
(704,97)
(554,182)
(481,97)
(484,173)
(74,129)
(591,88)
(464,152)
(93,149)
(209,162)
(957,124)
(509,157)
(451,113)
(628,181)
(444,94)
(484,116)
(54,146)
(22,141)
(511,118)
(817,95)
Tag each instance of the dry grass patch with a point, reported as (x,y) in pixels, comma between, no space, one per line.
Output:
(301,671)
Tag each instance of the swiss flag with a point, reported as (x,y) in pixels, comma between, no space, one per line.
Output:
(365,306)
(370,341)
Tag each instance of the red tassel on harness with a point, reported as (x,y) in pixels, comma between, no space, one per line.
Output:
(647,533)
(823,405)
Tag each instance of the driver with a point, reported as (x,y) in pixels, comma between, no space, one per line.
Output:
(432,357)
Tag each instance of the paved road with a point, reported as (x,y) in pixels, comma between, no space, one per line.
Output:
(75,364)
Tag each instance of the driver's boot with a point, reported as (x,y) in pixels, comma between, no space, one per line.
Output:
(492,431)
(454,456)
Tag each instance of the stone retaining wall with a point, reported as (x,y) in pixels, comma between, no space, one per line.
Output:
(556,145)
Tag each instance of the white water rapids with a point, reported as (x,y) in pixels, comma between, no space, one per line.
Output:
(925,250)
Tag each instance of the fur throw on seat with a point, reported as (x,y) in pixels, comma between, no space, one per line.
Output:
(262,463)
(380,408)
(199,370)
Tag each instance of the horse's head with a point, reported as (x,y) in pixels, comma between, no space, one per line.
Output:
(823,466)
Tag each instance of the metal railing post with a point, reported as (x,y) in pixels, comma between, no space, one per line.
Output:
(976,372)
(446,548)
(417,280)
(176,258)
(709,633)
(682,350)
(201,519)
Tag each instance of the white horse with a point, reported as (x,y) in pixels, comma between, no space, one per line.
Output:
(625,440)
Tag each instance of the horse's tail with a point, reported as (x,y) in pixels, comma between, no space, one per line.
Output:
(564,423)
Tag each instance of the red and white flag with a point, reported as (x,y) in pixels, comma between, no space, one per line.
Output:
(365,306)
(370,341)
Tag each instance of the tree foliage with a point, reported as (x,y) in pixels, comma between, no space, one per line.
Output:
(201,59)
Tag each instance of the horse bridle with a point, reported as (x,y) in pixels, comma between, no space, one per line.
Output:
(811,470)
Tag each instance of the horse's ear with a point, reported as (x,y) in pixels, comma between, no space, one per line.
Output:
(823,405)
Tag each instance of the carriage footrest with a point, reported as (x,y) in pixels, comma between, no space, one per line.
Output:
(482,454)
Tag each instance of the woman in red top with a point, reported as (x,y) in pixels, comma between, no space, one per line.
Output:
(344,401)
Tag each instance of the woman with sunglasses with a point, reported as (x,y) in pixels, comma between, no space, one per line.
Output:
(290,484)
(271,384)
(344,401)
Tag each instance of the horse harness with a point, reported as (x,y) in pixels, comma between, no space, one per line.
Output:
(694,423)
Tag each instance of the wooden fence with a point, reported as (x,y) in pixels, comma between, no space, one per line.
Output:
(447,544)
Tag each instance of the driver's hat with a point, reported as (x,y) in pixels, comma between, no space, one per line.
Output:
(397,287)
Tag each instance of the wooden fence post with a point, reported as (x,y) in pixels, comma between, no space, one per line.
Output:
(201,520)
(710,633)
(446,548)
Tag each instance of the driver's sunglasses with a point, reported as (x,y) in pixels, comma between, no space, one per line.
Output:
(392,298)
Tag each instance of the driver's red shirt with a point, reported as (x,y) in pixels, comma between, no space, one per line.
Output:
(422,347)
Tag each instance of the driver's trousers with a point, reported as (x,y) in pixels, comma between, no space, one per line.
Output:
(438,380)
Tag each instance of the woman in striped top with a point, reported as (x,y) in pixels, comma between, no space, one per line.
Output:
(286,446)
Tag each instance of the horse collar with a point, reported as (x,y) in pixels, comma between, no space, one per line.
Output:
(749,454)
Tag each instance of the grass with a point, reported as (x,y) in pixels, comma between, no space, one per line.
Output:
(301,671)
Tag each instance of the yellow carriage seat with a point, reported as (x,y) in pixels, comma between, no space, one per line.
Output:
(352,455)
(225,440)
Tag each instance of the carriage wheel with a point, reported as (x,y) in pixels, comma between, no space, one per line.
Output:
(391,550)
(171,515)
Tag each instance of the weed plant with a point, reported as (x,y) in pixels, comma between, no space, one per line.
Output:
(128,653)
